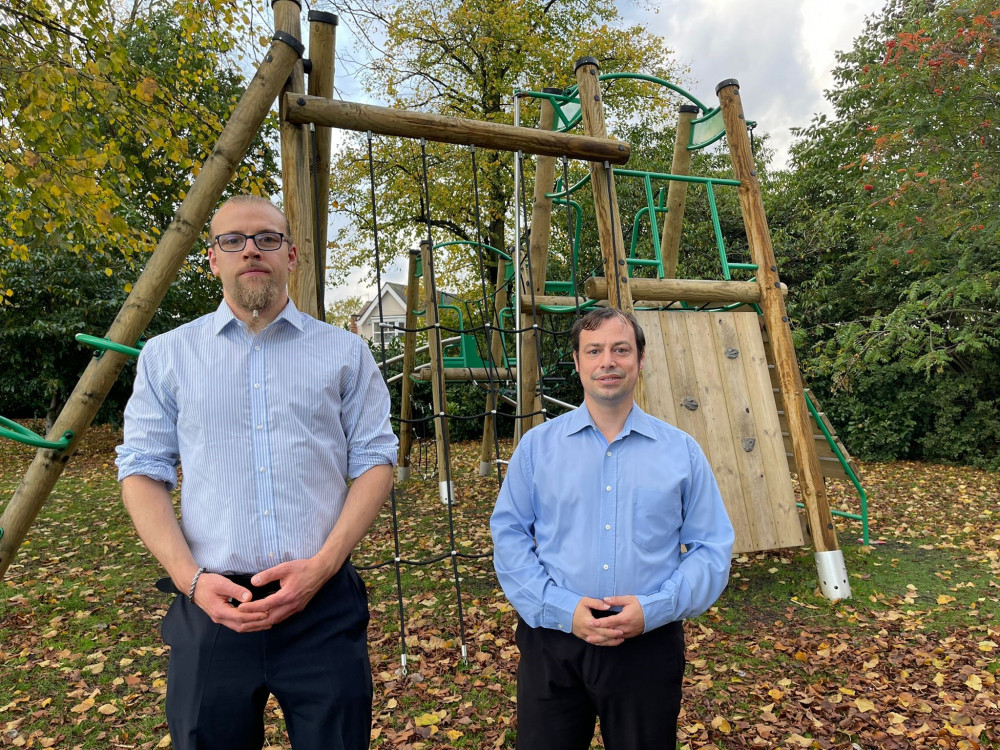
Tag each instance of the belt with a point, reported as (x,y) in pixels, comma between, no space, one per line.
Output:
(167,586)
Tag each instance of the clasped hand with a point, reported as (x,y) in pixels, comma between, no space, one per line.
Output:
(232,605)
(611,630)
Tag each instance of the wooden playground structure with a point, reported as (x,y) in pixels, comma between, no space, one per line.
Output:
(720,362)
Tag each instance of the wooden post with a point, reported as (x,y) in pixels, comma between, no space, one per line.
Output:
(538,255)
(776,319)
(602,180)
(500,301)
(670,240)
(409,358)
(322,54)
(438,398)
(172,250)
(297,185)
(697,291)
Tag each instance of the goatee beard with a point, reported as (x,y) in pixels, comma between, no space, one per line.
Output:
(254,297)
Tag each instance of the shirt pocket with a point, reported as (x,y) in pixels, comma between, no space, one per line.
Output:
(656,517)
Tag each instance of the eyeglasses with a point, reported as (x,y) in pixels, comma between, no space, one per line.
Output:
(234,242)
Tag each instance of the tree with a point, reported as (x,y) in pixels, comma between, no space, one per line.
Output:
(892,205)
(103,122)
(465,59)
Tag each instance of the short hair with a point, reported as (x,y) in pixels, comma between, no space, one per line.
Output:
(257,200)
(595,318)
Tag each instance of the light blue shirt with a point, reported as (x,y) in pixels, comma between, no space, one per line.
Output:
(268,428)
(578,516)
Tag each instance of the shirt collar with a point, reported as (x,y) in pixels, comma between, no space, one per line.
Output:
(637,421)
(223,316)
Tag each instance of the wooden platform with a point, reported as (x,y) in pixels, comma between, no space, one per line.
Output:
(707,373)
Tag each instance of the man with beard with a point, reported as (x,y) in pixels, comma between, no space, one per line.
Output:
(609,530)
(270,413)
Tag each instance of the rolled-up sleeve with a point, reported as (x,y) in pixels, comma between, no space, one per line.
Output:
(150,444)
(370,439)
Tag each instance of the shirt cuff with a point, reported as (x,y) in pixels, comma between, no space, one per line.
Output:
(558,609)
(160,471)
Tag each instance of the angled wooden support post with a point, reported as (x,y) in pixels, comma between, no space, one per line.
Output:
(829,558)
(172,250)
(297,184)
(670,240)
(602,180)
(438,398)
(409,359)
(537,257)
(322,56)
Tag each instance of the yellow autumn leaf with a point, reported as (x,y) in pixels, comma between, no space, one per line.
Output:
(776,694)
(974,682)
(128,288)
(80,708)
(165,742)
(864,705)
(945,599)
(146,89)
(452,734)
(107,709)
(427,720)
(108,271)
(9,171)
(939,679)
(983,645)
(722,725)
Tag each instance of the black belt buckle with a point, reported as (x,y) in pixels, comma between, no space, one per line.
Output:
(258,592)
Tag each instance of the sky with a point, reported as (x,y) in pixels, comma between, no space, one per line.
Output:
(781,51)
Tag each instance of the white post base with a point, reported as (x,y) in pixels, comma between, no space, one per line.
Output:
(833,582)
(402,473)
(447,491)
(485,467)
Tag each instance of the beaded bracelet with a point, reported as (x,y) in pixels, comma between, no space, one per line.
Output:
(194,582)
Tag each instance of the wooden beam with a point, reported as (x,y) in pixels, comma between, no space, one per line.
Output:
(670,240)
(697,291)
(467,374)
(537,265)
(297,184)
(492,135)
(322,54)
(132,320)
(776,319)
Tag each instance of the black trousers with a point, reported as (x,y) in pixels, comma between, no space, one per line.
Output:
(564,684)
(315,663)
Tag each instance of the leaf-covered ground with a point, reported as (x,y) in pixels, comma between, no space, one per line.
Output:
(910,661)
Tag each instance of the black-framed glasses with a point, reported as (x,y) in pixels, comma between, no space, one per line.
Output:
(234,242)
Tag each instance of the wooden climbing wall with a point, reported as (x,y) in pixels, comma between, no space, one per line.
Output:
(707,373)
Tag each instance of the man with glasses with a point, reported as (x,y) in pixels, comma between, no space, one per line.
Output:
(271,413)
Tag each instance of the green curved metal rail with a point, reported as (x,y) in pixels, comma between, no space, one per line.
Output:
(12,430)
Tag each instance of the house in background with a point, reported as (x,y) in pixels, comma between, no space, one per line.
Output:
(366,323)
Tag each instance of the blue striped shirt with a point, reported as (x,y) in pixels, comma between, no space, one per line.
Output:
(267,428)
(579,516)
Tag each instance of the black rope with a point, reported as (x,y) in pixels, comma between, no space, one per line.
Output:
(443,424)
(392,495)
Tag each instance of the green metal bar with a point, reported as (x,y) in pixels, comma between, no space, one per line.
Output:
(558,309)
(105,344)
(678,177)
(862,495)
(568,191)
(717,227)
(654,79)
(21,434)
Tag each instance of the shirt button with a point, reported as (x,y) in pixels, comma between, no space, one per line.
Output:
(607,527)
(256,385)
(267,512)
(609,453)
(605,567)
(263,469)
(256,348)
(260,427)
(608,488)
(271,555)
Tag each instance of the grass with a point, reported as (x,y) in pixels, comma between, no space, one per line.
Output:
(909,661)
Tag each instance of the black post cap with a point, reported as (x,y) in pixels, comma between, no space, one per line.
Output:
(728,82)
(586,61)
(552,90)
(688,109)
(321,16)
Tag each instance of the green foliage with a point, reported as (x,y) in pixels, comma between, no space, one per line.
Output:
(103,122)
(889,220)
